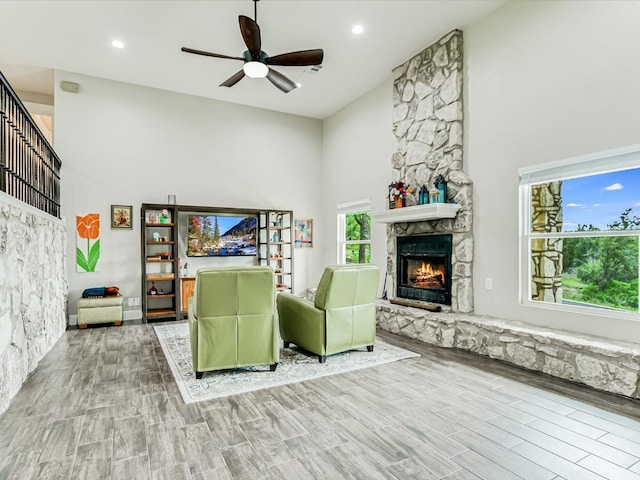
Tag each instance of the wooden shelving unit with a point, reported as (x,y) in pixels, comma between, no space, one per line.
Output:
(159,262)
(275,245)
(160,256)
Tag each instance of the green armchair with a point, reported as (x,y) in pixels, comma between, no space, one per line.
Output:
(343,316)
(233,321)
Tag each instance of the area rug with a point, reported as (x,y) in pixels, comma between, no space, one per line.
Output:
(295,366)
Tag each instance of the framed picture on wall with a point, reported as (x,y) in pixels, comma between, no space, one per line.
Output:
(303,232)
(121,216)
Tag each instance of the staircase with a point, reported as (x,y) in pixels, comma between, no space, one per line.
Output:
(29,167)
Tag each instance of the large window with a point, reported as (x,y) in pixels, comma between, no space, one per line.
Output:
(354,233)
(580,233)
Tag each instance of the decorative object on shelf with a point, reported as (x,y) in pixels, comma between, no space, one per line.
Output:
(153,290)
(423,195)
(443,190)
(164,216)
(392,203)
(87,228)
(434,195)
(121,216)
(303,232)
(156,237)
(398,193)
(171,199)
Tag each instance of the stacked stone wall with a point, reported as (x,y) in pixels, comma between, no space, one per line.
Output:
(600,363)
(33,291)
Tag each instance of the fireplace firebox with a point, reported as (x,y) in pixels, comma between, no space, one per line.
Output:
(424,268)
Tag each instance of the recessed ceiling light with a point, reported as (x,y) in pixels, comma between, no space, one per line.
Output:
(357,29)
(117,44)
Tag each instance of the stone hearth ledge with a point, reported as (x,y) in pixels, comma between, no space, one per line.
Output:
(600,363)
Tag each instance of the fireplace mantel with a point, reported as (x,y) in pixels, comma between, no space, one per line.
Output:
(417,213)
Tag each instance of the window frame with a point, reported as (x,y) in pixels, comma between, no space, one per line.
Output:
(593,164)
(358,206)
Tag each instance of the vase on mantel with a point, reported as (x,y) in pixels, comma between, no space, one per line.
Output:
(400,203)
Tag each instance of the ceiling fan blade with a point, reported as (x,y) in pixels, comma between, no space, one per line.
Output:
(231,81)
(209,54)
(251,34)
(280,81)
(301,58)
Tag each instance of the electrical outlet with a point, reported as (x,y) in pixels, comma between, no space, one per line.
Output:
(488,283)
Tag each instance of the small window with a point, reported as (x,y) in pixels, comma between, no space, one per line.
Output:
(354,233)
(581,232)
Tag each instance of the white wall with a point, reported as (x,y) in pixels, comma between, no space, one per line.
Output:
(546,81)
(356,159)
(123,144)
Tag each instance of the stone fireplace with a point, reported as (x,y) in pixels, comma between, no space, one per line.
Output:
(428,127)
(428,130)
(424,268)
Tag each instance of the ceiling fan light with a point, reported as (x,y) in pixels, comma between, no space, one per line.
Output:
(255,69)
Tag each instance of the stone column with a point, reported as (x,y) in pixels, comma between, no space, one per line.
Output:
(546,253)
(428,124)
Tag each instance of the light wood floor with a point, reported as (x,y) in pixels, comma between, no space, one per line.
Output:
(103,404)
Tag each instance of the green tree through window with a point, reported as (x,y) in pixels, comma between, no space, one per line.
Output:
(356,237)
(603,270)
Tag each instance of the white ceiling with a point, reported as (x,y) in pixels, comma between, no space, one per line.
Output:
(76,35)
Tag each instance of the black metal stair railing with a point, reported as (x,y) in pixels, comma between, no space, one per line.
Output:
(29,167)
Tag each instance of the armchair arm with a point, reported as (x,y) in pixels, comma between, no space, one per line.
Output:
(193,332)
(301,323)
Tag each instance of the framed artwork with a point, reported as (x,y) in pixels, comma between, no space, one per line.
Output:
(303,232)
(121,216)
(87,252)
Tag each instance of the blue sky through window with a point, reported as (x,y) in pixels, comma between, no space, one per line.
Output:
(600,199)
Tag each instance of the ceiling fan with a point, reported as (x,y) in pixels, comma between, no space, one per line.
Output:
(257,63)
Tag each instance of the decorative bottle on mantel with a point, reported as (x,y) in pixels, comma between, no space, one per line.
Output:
(443,191)
(434,195)
(423,195)
(392,203)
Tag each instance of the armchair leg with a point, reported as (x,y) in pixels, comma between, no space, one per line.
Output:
(369,348)
(322,358)
(199,375)
(273,366)
(286,344)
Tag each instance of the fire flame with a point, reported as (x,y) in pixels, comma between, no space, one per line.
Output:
(427,273)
